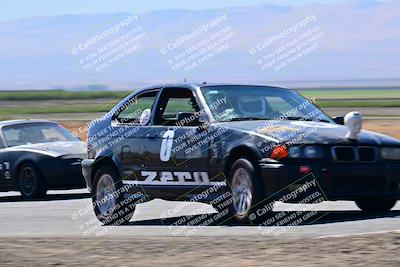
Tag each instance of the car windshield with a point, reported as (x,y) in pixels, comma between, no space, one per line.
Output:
(34,133)
(236,103)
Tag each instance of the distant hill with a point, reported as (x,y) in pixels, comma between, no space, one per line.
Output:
(361,41)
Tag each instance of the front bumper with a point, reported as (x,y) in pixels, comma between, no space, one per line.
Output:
(335,181)
(87,166)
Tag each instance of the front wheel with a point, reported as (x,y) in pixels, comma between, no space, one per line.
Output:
(108,200)
(246,191)
(31,182)
(376,205)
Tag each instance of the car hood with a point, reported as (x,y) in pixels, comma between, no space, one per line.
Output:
(310,132)
(55,149)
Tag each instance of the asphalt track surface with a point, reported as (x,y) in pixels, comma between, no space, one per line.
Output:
(69,214)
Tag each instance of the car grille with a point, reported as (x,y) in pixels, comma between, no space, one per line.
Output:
(354,154)
(366,154)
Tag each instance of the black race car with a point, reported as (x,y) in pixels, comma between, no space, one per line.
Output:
(38,155)
(248,145)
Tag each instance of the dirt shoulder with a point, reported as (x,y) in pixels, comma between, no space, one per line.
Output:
(388,127)
(363,250)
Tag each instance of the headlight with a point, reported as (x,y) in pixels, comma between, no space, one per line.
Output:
(310,152)
(313,152)
(294,152)
(390,153)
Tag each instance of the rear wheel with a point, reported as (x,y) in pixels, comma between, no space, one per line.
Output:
(31,182)
(246,191)
(108,200)
(376,205)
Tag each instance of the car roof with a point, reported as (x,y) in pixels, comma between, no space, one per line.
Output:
(193,85)
(242,84)
(26,121)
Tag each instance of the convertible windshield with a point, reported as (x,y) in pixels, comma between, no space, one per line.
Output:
(236,103)
(34,133)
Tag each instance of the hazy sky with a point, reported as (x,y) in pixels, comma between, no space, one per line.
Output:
(10,9)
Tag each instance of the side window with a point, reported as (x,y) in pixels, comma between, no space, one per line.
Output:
(177,105)
(14,136)
(1,143)
(131,110)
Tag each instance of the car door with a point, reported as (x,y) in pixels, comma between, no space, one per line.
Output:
(129,133)
(176,155)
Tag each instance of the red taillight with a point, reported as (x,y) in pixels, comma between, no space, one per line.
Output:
(279,152)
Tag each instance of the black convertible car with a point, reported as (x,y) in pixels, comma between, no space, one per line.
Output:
(38,155)
(251,144)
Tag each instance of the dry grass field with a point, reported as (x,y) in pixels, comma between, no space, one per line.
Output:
(389,127)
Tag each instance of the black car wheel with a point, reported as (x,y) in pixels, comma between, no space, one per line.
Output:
(109,204)
(376,205)
(31,182)
(246,191)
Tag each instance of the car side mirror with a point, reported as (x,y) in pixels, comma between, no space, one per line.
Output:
(339,120)
(204,125)
(191,119)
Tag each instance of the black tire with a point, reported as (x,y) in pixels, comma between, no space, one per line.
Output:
(376,205)
(251,177)
(31,182)
(108,188)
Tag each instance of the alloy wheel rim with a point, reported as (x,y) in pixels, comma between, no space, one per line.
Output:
(105,197)
(242,193)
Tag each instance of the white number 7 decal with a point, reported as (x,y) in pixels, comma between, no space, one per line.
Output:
(166,145)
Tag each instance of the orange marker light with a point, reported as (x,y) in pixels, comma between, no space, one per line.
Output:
(279,152)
